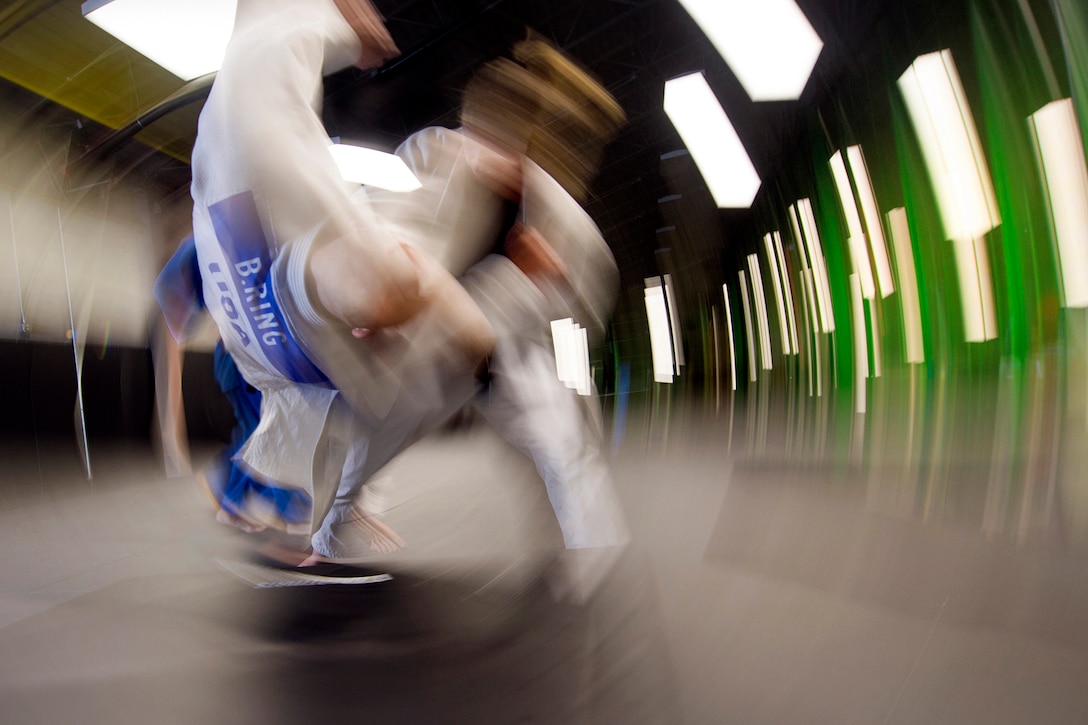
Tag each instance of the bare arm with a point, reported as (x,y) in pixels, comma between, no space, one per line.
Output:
(352,290)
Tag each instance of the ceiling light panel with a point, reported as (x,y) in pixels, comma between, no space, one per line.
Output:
(712,141)
(769,44)
(186,37)
(371,167)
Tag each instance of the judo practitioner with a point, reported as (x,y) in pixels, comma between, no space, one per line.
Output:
(237,496)
(358,342)
(484,181)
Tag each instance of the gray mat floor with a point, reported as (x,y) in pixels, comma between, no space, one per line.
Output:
(755,591)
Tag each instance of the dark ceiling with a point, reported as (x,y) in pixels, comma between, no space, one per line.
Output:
(62,69)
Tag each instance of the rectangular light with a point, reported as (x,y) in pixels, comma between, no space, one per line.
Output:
(804,225)
(769,45)
(371,167)
(908,284)
(1060,152)
(787,291)
(976,289)
(946,131)
(859,254)
(732,340)
(815,373)
(660,339)
(186,37)
(570,341)
(877,246)
(808,292)
(942,120)
(759,299)
(779,297)
(749,332)
(712,141)
(846,195)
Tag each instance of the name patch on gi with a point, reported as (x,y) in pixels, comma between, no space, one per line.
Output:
(247,290)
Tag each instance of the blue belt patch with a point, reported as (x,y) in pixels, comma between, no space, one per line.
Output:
(241,237)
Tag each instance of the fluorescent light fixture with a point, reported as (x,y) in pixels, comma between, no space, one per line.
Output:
(976,289)
(712,141)
(877,246)
(908,284)
(769,44)
(1060,152)
(759,298)
(803,222)
(815,374)
(732,340)
(749,333)
(808,292)
(859,255)
(787,291)
(570,342)
(361,165)
(946,130)
(950,144)
(776,285)
(846,194)
(660,339)
(186,37)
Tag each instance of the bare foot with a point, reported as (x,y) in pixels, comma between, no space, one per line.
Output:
(378,535)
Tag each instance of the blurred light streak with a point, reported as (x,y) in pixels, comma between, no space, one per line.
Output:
(752,375)
(674,325)
(710,138)
(779,298)
(808,317)
(189,39)
(78,348)
(976,289)
(769,45)
(570,342)
(877,245)
(361,165)
(861,352)
(1060,152)
(732,340)
(942,119)
(908,285)
(804,226)
(874,339)
(787,291)
(759,299)
(859,256)
(846,194)
(946,131)
(660,342)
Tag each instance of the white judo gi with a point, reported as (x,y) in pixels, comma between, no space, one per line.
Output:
(267,195)
(457,220)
